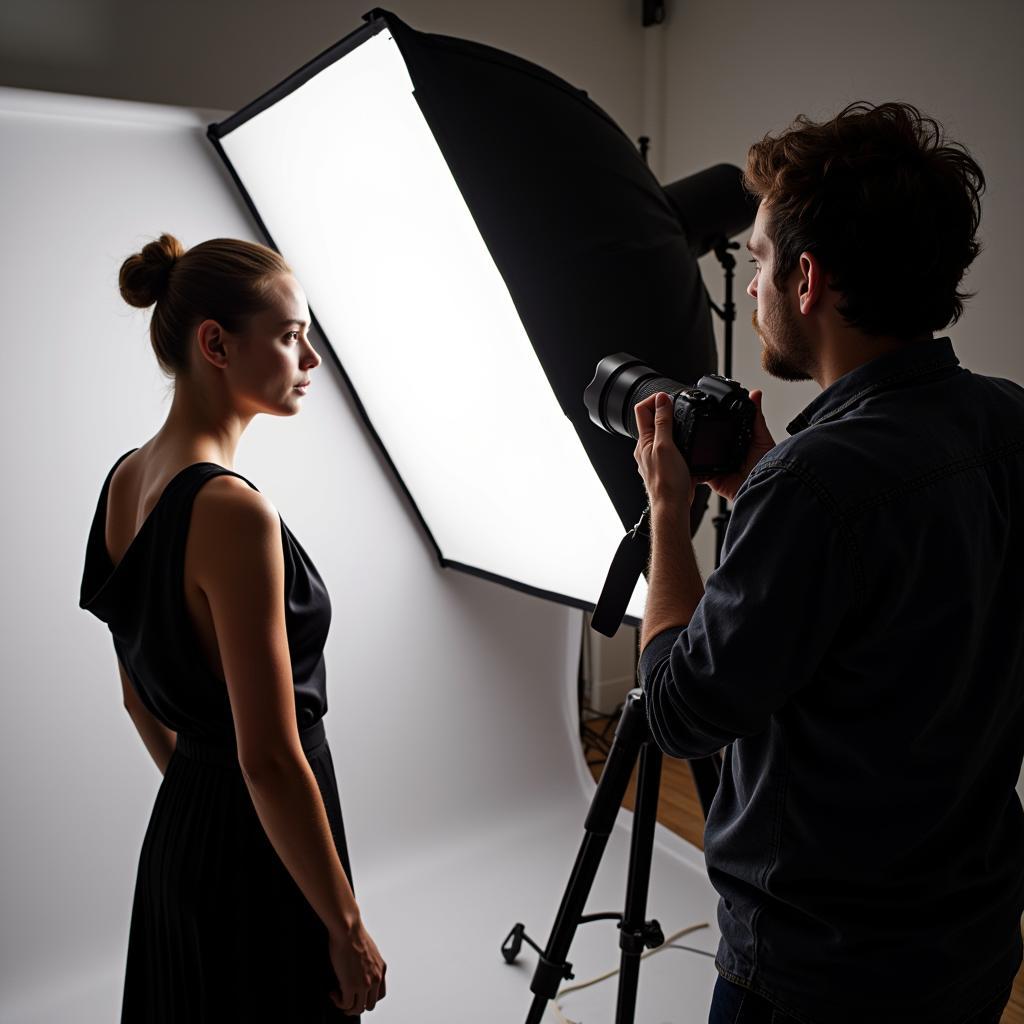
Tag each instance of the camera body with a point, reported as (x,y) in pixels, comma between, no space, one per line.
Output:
(712,422)
(712,425)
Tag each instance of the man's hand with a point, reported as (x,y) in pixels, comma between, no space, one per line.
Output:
(761,443)
(674,586)
(661,465)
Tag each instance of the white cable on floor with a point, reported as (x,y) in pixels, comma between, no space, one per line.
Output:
(611,974)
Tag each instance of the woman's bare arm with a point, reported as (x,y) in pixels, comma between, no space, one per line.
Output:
(236,533)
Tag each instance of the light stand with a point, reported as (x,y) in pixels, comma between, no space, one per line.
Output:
(727,312)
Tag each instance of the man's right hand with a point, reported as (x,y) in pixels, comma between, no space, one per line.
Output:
(760,443)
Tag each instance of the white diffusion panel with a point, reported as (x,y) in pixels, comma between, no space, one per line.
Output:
(352,186)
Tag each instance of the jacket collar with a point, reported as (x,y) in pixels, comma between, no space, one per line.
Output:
(891,370)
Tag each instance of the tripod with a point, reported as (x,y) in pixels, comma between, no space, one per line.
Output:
(632,742)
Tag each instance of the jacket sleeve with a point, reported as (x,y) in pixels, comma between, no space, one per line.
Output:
(766,621)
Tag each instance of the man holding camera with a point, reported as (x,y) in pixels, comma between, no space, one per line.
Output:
(860,650)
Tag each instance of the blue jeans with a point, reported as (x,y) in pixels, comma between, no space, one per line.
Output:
(732,1004)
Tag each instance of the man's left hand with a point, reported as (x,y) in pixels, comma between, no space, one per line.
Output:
(661,465)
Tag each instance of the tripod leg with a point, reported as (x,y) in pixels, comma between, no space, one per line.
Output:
(634,930)
(630,734)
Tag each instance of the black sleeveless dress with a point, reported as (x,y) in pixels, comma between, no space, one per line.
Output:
(220,932)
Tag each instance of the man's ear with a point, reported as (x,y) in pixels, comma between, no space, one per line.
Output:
(210,336)
(811,284)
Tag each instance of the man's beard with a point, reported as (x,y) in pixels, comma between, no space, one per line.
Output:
(786,355)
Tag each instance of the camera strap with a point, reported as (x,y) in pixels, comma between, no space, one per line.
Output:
(629,562)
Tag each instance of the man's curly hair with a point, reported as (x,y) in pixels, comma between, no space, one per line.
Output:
(885,202)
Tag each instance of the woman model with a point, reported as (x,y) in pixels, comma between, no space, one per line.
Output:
(243,908)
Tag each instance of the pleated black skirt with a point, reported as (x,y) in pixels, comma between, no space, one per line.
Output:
(220,932)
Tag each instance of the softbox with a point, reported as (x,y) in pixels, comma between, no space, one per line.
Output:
(474,235)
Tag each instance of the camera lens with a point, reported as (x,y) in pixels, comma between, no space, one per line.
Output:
(621,382)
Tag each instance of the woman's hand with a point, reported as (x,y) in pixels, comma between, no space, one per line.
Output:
(665,473)
(760,443)
(359,969)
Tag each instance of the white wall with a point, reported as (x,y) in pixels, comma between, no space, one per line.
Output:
(735,71)
(224,54)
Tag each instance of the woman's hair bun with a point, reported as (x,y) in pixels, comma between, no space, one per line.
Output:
(144,276)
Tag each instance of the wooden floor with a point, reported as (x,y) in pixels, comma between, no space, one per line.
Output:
(680,810)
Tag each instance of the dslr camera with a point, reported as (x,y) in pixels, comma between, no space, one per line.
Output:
(712,422)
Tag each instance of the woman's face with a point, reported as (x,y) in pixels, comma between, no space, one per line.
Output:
(273,352)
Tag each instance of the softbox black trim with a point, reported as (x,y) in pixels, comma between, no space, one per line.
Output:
(298,78)
(525,588)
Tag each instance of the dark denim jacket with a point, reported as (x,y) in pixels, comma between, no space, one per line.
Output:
(861,648)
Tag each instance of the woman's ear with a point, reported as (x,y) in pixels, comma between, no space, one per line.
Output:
(210,336)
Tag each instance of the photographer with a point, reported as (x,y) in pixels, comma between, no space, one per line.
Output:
(860,650)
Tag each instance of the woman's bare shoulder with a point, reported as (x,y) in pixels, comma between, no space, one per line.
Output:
(230,520)
(224,486)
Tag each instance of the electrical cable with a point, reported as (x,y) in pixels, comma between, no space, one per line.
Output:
(667,944)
